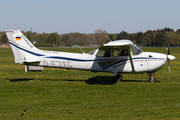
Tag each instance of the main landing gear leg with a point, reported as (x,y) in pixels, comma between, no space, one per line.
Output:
(152,79)
(117,77)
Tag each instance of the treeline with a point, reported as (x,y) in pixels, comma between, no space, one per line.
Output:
(160,37)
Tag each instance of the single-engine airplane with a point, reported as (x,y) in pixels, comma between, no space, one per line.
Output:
(118,57)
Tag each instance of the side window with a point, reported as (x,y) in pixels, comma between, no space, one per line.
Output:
(124,52)
(120,52)
(116,53)
(104,53)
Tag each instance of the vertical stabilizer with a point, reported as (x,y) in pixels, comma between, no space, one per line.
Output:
(22,48)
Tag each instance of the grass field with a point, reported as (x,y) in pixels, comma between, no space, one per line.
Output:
(62,94)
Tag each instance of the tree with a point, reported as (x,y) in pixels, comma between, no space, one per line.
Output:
(139,38)
(42,39)
(161,39)
(132,37)
(112,36)
(74,39)
(178,31)
(3,38)
(148,38)
(100,36)
(64,38)
(51,38)
(168,29)
(122,35)
(57,38)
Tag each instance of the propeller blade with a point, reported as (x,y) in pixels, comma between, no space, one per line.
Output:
(169,66)
(168,49)
(169,59)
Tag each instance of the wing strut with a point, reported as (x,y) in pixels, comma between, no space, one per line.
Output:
(130,58)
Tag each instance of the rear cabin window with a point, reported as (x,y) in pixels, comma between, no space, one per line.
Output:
(120,52)
(104,53)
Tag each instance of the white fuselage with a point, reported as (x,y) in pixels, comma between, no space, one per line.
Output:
(144,62)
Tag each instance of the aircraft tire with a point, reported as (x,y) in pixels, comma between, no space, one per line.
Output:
(152,79)
(118,78)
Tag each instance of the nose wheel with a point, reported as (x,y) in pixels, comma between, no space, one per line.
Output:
(152,79)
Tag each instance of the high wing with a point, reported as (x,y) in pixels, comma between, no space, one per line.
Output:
(123,45)
(118,43)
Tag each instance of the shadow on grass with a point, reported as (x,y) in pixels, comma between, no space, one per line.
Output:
(102,80)
(137,81)
(109,80)
(21,79)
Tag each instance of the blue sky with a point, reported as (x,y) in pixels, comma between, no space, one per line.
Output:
(85,16)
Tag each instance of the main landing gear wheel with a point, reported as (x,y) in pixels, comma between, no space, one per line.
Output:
(152,79)
(118,78)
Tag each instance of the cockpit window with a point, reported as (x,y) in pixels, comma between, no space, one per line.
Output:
(104,53)
(136,50)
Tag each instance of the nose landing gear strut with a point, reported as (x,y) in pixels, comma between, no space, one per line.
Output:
(152,79)
(117,77)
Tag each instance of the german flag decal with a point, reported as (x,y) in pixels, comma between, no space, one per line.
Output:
(18,38)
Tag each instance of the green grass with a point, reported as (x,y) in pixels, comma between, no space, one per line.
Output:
(74,94)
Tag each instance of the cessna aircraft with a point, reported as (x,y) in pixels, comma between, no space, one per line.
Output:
(118,57)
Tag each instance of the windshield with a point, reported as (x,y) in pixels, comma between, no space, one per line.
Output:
(136,50)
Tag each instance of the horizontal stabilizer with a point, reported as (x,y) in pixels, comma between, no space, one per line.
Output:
(28,61)
(33,68)
(32,61)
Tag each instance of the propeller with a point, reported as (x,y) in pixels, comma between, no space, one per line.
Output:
(169,58)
